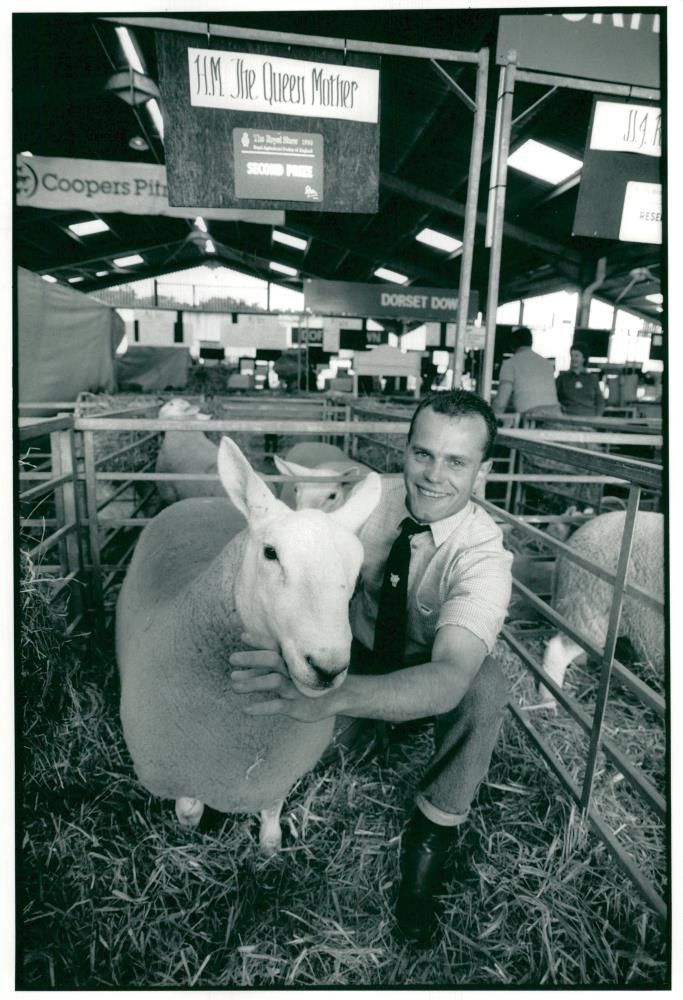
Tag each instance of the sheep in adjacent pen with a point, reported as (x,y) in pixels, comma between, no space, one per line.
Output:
(585,600)
(196,582)
(186,452)
(327,463)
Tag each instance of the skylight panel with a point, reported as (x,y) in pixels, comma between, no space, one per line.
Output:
(289,240)
(656,297)
(133,258)
(283,269)
(155,112)
(89,228)
(130,50)
(440,241)
(544,162)
(389,275)
(209,247)
(200,224)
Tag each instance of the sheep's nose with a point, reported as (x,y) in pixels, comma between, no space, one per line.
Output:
(325,676)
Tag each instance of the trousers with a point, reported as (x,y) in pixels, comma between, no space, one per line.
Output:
(464,740)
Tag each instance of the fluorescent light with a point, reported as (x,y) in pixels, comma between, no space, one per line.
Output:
(100,274)
(283,269)
(544,162)
(438,240)
(89,228)
(290,241)
(74,281)
(130,50)
(200,224)
(155,112)
(50,278)
(384,272)
(133,258)
(656,297)
(209,247)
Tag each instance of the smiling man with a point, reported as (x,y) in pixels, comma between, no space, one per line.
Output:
(434,589)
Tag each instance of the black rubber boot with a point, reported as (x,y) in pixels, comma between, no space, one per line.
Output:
(423,856)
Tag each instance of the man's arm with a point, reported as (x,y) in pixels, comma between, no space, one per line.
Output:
(411,693)
(599,398)
(502,398)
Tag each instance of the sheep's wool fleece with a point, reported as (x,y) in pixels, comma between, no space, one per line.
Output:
(585,600)
(176,627)
(188,451)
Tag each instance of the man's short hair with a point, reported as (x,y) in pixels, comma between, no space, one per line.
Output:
(520,336)
(460,403)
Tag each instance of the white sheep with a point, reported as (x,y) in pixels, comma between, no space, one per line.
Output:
(326,462)
(585,600)
(186,452)
(197,580)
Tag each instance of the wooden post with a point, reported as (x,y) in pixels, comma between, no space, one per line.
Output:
(66,502)
(93,525)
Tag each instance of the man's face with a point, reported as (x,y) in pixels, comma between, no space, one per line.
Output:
(443,464)
(575,361)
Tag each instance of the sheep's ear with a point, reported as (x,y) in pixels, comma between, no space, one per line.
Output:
(287,468)
(245,488)
(362,500)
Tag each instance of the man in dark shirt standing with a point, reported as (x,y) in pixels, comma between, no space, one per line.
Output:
(578,390)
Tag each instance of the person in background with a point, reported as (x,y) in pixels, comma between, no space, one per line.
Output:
(578,390)
(527,380)
(424,624)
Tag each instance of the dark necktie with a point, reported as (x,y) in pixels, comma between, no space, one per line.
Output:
(390,627)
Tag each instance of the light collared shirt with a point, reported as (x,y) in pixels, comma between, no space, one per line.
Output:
(533,380)
(459,574)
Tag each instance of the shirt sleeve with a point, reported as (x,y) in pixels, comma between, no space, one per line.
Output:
(478,591)
(507,371)
(559,384)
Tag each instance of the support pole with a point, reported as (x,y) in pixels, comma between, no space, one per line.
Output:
(497,213)
(610,645)
(469,229)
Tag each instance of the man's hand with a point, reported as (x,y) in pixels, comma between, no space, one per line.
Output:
(265,670)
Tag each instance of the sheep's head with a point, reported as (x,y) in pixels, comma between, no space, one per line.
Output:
(329,492)
(180,409)
(298,573)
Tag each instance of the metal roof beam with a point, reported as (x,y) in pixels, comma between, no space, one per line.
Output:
(445,204)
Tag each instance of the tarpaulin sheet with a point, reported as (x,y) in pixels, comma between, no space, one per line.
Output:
(66,341)
(153,368)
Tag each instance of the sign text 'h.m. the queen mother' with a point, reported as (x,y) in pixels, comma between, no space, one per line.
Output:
(246,81)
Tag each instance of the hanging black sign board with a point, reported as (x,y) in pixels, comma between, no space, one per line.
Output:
(213,97)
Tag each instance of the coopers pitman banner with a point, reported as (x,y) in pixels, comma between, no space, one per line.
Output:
(620,48)
(346,298)
(113,186)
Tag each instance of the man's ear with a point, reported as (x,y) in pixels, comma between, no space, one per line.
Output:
(480,478)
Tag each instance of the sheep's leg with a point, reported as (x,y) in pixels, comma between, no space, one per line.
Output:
(270,834)
(189,811)
(559,653)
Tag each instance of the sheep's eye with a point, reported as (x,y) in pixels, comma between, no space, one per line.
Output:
(269,552)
